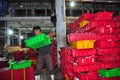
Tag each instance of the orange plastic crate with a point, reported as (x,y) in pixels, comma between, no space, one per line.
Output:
(83,23)
(83,44)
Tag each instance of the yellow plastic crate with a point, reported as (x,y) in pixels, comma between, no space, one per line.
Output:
(83,44)
(83,23)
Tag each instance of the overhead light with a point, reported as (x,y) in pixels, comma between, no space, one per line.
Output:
(10,32)
(21,37)
(72,3)
(21,6)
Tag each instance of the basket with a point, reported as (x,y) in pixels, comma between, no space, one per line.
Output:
(38,41)
(110,73)
(15,65)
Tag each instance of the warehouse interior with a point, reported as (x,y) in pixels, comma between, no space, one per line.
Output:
(83,28)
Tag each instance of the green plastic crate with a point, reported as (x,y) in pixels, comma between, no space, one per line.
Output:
(15,65)
(110,73)
(38,41)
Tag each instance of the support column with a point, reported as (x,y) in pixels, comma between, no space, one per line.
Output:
(19,37)
(60,26)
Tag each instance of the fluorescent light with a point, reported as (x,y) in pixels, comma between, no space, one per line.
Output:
(10,32)
(72,3)
(21,37)
(21,6)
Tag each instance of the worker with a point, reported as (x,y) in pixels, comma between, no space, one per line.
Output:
(44,52)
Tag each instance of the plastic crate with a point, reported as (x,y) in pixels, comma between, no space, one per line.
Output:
(4,63)
(117,17)
(108,65)
(105,37)
(103,16)
(5,73)
(83,23)
(82,52)
(19,55)
(38,41)
(19,65)
(99,23)
(104,30)
(106,44)
(91,75)
(86,60)
(22,74)
(86,16)
(109,51)
(81,36)
(113,78)
(110,73)
(79,68)
(117,30)
(83,44)
(118,23)
(109,58)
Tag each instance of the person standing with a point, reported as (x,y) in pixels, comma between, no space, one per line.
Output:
(44,53)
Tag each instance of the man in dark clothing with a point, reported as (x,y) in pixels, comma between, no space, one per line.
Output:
(44,53)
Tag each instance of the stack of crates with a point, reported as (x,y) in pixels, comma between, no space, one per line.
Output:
(107,49)
(79,60)
(93,47)
(18,70)
(21,70)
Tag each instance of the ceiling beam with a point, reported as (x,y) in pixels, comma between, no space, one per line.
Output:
(24,18)
(32,18)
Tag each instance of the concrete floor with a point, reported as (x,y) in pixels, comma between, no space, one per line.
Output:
(45,76)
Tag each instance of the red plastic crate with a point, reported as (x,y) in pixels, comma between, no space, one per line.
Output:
(79,68)
(86,52)
(74,25)
(108,65)
(5,74)
(19,55)
(117,30)
(99,23)
(103,16)
(109,51)
(19,74)
(86,16)
(92,75)
(81,36)
(67,57)
(109,58)
(106,37)
(66,67)
(103,30)
(3,64)
(86,60)
(117,17)
(105,44)
(71,76)
(68,70)
(113,78)
(118,23)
